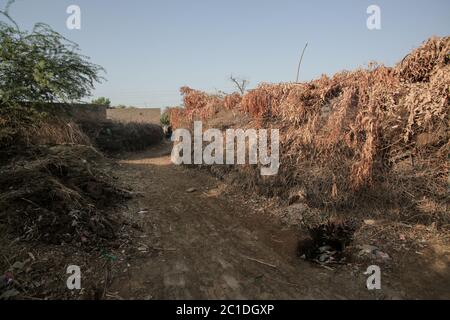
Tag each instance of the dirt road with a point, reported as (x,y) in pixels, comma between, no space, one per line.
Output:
(208,244)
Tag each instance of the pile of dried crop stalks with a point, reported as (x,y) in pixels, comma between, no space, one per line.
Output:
(53,186)
(372,136)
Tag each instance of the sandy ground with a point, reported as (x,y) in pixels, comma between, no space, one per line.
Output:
(187,235)
(199,242)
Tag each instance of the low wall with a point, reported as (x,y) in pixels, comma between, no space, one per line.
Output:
(93,112)
(141,115)
(75,111)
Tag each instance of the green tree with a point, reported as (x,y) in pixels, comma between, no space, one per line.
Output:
(165,119)
(102,101)
(42,65)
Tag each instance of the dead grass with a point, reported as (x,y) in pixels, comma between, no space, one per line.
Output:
(59,197)
(22,127)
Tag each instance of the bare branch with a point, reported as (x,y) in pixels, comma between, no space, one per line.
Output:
(241,84)
(5,12)
(300,62)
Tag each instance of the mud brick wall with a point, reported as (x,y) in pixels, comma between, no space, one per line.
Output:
(143,115)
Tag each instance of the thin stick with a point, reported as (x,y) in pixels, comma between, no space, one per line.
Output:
(4,257)
(31,202)
(281,281)
(300,62)
(324,266)
(261,262)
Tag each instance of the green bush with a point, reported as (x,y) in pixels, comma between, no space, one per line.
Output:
(42,66)
(165,120)
(102,101)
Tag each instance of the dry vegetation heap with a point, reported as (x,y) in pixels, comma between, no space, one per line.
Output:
(60,197)
(372,136)
(53,184)
(115,137)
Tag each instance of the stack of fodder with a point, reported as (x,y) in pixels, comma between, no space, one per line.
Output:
(199,105)
(374,136)
(425,62)
(22,127)
(60,196)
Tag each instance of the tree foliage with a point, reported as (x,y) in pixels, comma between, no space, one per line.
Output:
(102,101)
(165,119)
(42,65)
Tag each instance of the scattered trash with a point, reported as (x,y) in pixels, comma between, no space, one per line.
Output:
(368,249)
(374,252)
(324,249)
(6,291)
(328,242)
(380,255)
(6,279)
(109,256)
(324,257)
(191,190)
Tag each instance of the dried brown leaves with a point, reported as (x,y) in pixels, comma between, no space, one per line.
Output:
(353,130)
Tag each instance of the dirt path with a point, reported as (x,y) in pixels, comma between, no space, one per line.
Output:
(209,245)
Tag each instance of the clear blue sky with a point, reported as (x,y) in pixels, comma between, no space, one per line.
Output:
(152,48)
